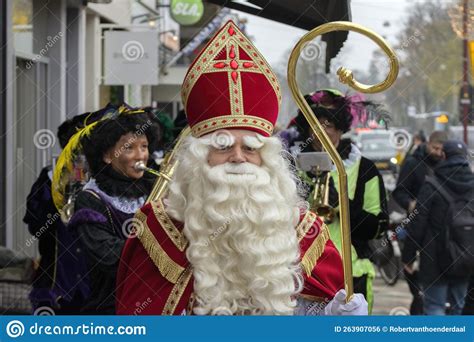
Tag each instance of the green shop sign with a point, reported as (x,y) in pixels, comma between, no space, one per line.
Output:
(186,12)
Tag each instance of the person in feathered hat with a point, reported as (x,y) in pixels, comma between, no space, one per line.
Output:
(233,236)
(104,209)
(367,199)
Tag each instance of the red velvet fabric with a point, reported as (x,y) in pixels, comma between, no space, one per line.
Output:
(141,289)
(207,90)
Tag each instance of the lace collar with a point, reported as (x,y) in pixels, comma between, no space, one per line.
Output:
(126,205)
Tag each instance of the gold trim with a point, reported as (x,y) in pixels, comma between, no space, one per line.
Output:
(228,69)
(231,121)
(235,88)
(177,292)
(171,230)
(167,267)
(305,225)
(314,252)
(190,307)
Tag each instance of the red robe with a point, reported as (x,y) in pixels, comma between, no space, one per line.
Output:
(155,278)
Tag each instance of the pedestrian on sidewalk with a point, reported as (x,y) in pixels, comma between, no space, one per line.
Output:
(412,175)
(441,232)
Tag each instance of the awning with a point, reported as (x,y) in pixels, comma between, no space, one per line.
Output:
(305,14)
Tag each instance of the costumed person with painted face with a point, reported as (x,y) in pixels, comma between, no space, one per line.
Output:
(367,199)
(232,236)
(104,209)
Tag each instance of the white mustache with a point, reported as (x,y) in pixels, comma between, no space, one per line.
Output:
(235,174)
(240,169)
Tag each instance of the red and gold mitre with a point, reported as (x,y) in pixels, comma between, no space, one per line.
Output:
(230,85)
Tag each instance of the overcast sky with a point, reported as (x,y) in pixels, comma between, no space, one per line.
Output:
(273,38)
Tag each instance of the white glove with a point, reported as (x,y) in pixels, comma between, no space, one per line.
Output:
(337,306)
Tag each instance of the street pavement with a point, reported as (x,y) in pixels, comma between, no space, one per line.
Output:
(391,300)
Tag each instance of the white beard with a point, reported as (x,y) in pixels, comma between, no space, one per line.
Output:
(240,222)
